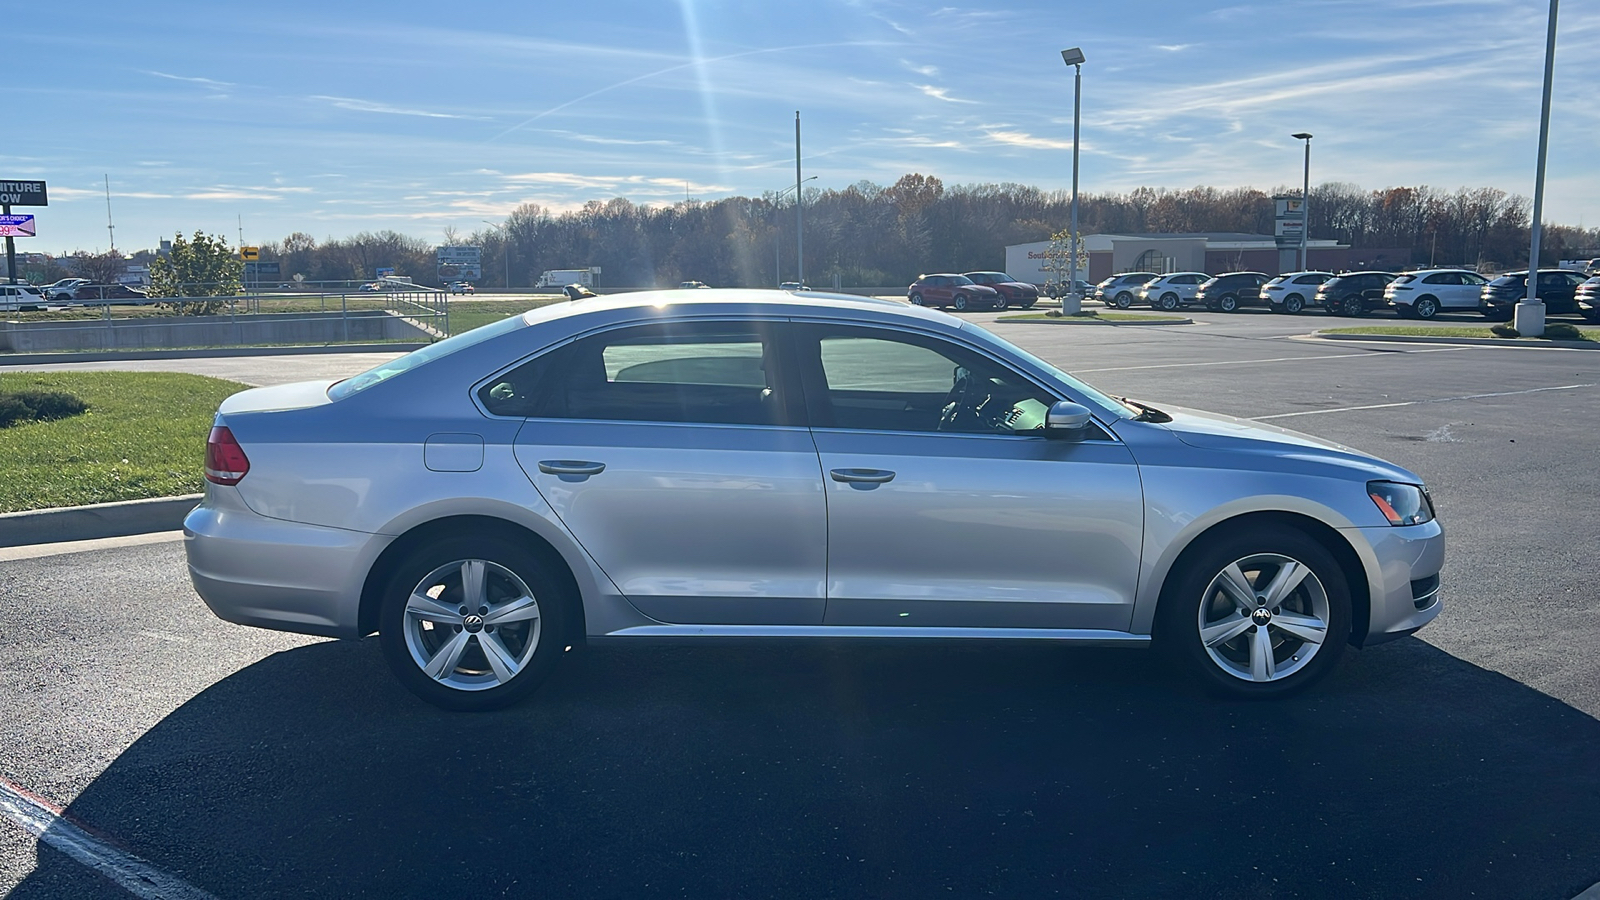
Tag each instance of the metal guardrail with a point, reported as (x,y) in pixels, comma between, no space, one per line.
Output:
(351,316)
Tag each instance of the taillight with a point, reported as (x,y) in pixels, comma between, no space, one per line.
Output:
(225,459)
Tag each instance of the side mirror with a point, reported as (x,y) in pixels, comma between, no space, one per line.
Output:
(1067,421)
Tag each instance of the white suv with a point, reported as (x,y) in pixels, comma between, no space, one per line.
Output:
(1172,291)
(1294,291)
(20,296)
(1421,295)
(64,290)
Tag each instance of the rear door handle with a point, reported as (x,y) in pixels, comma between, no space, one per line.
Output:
(570,467)
(867,476)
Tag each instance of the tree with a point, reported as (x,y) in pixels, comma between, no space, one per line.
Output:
(202,266)
(100,268)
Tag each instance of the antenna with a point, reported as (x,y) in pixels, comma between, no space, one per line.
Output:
(110,228)
(241,229)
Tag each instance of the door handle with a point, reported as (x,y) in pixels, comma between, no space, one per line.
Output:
(866,476)
(570,467)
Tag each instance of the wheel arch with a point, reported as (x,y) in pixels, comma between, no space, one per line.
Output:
(419,535)
(1344,553)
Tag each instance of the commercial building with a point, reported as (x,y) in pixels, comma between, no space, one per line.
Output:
(1214,252)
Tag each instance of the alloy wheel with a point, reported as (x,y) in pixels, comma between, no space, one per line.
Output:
(472,624)
(1293,304)
(1264,617)
(1426,308)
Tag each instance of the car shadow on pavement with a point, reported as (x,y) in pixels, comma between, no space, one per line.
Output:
(854,770)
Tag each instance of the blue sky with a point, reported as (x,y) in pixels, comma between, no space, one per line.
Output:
(332,118)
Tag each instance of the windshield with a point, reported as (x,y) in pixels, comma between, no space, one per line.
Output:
(415,358)
(1083,390)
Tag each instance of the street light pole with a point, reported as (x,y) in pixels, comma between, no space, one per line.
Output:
(1074,58)
(1528,318)
(800,210)
(1305,203)
(777,265)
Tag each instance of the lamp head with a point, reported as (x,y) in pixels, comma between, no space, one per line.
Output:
(1302,136)
(1072,57)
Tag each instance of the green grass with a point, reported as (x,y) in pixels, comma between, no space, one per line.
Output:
(1092,317)
(467,315)
(144,435)
(1455,331)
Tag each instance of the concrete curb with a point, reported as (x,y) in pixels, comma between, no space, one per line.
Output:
(40,359)
(1436,339)
(1089,321)
(99,520)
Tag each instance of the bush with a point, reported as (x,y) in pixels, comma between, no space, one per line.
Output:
(38,406)
(1563,331)
(1505,329)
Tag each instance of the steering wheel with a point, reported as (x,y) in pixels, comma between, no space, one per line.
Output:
(958,403)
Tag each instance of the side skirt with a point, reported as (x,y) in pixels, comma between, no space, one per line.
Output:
(1084,636)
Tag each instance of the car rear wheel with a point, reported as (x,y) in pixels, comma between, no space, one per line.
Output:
(1228,303)
(1294,304)
(1169,301)
(1351,306)
(473,622)
(961,303)
(1124,300)
(1425,307)
(1259,613)
(916,299)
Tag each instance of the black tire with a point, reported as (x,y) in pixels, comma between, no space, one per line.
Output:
(1294,304)
(1124,300)
(1189,597)
(1228,303)
(1001,302)
(1352,306)
(1425,307)
(481,688)
(961,303)
(916,299)
(1169,301)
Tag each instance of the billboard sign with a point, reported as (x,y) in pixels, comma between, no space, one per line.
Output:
(1289,221)
(17,226)
(460,262)
(384,271)
(257,269)
(23,193)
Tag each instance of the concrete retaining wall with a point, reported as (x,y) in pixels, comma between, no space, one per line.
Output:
(207,331)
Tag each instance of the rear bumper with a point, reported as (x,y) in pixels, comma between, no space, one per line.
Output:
(271,573)
(1404,588)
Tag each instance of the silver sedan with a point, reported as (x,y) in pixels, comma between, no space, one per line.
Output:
(723,464)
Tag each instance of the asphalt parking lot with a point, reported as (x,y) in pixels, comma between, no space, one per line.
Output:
(1462,762)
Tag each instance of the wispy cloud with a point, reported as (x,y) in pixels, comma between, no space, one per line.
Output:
(1173,48)
(924,71)
(207,82)
(231,195)
(939,93)
(373,106)
(1023,139)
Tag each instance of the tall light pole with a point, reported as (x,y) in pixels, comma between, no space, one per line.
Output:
(505,248)
(1074,58)
(800,210)
(1528,318)
(777,266)
(1305,202)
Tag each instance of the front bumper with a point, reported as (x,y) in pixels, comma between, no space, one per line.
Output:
(276,574)
(1404,587)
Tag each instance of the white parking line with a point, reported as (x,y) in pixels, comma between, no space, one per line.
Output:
(35,551)
(43,819)
(1318,412)
(1246,362)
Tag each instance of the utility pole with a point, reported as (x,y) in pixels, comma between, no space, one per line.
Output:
(800,208)
(110,229)
(1528,316)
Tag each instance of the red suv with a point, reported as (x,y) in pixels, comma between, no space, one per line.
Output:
(953,290)
(1012,291)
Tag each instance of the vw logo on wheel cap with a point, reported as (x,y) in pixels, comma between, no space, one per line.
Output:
(1261,616)
(473,624)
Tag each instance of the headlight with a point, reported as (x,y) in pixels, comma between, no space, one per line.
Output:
(1401,504)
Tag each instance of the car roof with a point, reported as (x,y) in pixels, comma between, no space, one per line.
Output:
(692,302)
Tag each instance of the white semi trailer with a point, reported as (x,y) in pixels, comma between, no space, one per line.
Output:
(558,278)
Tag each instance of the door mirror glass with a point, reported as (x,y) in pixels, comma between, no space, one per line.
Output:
(1067,421)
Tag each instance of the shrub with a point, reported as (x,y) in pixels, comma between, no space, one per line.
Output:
(40,406)
(1505,329)
(1563,331)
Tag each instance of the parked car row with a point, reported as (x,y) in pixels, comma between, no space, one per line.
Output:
(1420,295)
(974,290)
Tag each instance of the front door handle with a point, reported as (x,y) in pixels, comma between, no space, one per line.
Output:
(866,476)
(570,467)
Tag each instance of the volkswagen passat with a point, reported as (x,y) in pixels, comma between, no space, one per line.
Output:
(702,464)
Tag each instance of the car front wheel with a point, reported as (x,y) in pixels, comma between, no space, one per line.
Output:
(961,303)
(1260,613)
(916,299)
(472,622)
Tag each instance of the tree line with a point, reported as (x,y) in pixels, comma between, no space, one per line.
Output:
(871,235)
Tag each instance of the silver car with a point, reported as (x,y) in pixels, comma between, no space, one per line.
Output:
(735,463)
